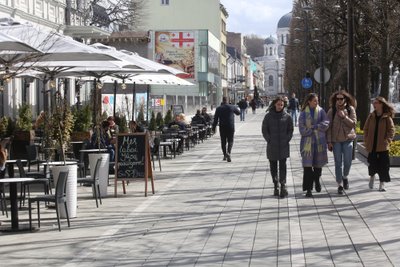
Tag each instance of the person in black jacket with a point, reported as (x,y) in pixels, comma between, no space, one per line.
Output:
(225,115)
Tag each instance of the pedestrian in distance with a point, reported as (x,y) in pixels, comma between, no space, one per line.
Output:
(313,124)
(341,134)
(253,105)
(243,107)
(378,134)
(277,129)
(225,116)
(293,108)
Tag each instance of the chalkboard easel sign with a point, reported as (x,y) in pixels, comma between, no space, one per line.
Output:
(132,159)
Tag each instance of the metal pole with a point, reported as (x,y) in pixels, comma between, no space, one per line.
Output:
(133,100)
(115,97)
(147,105)
(306,43)
(350,48)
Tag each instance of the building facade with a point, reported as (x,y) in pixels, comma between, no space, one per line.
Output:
(205,22)
(274,58)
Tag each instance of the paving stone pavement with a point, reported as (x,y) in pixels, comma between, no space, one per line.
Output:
(207,212)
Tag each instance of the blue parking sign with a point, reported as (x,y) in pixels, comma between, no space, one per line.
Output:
(306,83)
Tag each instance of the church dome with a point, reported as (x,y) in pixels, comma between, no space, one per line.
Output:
(270,40)
(284,22)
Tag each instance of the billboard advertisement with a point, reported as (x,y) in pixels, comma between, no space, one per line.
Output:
(176,49)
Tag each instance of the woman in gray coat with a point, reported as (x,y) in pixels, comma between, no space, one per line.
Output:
(277,129)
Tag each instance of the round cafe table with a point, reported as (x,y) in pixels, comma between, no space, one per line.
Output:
(10,166)
(14,202)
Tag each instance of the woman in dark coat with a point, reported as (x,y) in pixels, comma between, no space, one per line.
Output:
(277,129)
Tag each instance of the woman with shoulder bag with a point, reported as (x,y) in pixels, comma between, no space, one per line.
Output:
(378,133)
(341,134)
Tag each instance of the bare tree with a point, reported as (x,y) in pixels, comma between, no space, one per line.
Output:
(255,45)
(111,14)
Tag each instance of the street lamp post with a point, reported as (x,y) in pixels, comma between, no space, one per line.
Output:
(350,48)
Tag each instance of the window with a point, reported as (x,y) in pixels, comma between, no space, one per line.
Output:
(164,2)
(271,80)
(270,51)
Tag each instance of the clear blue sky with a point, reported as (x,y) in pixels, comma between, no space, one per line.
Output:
(257,16)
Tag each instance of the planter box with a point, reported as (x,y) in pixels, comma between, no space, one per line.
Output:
(19,143)
(71,190)
(80,136)
(394,161)
(360,138)
(103,171)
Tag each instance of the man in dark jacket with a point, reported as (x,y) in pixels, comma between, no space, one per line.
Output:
(225,114)
(243,106)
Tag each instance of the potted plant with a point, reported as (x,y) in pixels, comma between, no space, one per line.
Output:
(23,134)
(159,121)
(122,123)
(152,124)
(82,123)
(58,128)
(168,117)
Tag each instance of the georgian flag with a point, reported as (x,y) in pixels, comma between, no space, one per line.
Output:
(182,39)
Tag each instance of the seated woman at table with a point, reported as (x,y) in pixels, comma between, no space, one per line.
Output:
(104,141)
(179,121)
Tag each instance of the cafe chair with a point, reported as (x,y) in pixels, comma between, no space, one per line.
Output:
(33,156)
(94,181)
(3,200)
(59,198)
(155,151)
(40,178)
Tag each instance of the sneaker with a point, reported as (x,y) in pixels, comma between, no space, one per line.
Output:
(309,194)
(340,190)
(371,182)
(228,157)
(345,183)
(382,187)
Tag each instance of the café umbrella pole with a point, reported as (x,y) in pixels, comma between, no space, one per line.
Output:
(115,97)
(133,100)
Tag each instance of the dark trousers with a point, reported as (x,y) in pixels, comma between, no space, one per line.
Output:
(379,163)
(226,135)
(310,174)
(274,170)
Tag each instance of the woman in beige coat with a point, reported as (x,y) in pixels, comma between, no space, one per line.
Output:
(378,133)
(340,135)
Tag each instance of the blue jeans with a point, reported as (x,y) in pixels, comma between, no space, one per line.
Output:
(343,154)
(242,112)
(293,113)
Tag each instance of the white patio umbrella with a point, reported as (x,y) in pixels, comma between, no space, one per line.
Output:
(9,43)
(137,60)
(56,47)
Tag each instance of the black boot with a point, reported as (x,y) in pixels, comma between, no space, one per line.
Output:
(309,194)
(284,192)
(317,184)
(276,190)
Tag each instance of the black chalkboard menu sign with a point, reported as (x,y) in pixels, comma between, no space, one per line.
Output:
(133,159)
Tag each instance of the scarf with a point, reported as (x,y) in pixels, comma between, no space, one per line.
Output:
(308,139)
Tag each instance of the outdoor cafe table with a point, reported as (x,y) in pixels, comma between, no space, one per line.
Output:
(14,202)
(10,166)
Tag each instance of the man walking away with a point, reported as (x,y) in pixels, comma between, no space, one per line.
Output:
(224,114)
(293,108)
(243,107)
